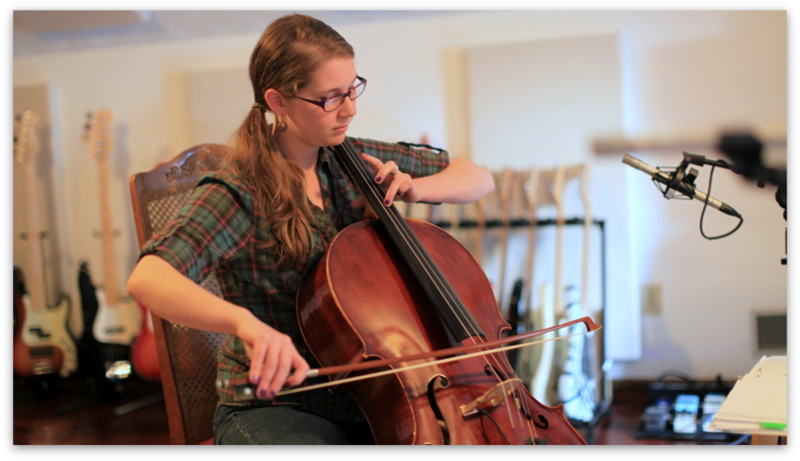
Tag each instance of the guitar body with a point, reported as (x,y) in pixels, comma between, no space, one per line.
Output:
(575,390)
(540,384)
(118,323)
(30,361)
(45,345)
(106,363)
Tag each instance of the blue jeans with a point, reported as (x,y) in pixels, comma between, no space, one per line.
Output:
(283,425)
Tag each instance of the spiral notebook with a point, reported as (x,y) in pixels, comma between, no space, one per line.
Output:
(757,404)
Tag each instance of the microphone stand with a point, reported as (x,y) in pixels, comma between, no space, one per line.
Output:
(745,151)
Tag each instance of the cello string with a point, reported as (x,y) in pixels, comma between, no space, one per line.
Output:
(423,258)
(411,242)
(435,275)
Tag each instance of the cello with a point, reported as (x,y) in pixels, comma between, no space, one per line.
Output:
(419,291)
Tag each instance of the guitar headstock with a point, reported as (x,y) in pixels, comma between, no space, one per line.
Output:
(87,127)
(27,142)
(97,133)
(585,184)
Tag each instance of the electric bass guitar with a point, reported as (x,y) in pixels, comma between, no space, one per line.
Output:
(106,364)
(119,318)
(43,344)
(30,361)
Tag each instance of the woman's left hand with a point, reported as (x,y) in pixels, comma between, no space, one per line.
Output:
(398,185)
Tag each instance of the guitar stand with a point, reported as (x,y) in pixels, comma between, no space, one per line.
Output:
(603,407)
(43,386)
(66,408)
(99,397)
(602,410)
(138,404)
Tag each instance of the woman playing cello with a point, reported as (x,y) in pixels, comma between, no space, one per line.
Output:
(264,221)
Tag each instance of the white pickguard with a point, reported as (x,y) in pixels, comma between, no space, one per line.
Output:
(48,327)
(117,324)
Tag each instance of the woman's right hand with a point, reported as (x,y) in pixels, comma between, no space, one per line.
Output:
(274,361)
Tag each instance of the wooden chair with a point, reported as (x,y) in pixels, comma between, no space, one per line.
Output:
(187,357)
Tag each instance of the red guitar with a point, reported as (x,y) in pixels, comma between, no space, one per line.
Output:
(43,344)
(144,356)
(30,361)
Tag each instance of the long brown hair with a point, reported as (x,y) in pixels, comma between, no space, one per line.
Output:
(286,55)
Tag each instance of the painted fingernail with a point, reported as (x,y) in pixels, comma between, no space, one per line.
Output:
(378,179)
(256,379)
(387,202)
(262,393)
(272,394)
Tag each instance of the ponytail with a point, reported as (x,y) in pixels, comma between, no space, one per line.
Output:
(285,57)
(277,185)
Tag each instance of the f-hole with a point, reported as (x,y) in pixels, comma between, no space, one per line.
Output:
(492,371)
(543,423)
(443,382)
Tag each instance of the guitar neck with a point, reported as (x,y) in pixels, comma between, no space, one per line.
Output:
(34,280)
(587,227)
(107,235)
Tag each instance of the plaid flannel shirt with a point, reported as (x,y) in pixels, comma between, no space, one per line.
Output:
(220,230)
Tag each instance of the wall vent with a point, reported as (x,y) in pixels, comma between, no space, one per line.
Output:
(770,333)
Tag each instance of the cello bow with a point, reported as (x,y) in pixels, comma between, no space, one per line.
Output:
(244,390)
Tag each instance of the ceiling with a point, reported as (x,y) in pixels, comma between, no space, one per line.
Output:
(52,31)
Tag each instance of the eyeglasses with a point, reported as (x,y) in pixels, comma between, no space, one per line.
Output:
(331,104)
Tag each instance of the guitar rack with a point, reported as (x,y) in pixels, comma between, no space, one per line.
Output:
(602,407)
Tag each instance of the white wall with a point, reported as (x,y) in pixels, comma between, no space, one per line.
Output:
(687,72)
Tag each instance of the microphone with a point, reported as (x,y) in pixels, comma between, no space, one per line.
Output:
(687,189)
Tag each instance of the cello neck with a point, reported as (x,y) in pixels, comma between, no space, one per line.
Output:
(449,306)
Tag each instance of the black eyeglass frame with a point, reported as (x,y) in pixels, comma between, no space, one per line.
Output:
(362,82)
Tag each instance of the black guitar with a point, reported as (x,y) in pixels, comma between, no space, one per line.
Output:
(513,318)
(105,364)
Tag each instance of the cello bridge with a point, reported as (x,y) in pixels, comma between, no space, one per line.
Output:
(494,397)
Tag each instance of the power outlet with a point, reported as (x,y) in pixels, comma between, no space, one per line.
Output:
(651,298)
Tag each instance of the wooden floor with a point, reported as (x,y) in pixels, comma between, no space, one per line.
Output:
(69,413)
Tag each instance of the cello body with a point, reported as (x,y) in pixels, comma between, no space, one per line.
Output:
(363,302)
